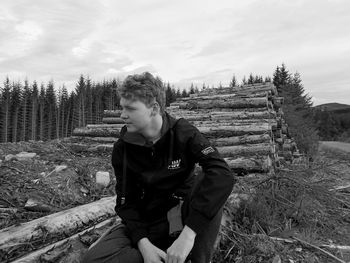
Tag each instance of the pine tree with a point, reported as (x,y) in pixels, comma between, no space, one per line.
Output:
(281,77)
(297,109)
(79,109)
(15,110)
(42,114)
(170,96)
(89,101)
(233,82)
(34,111)
(51,105)
(184,93)
(5,109)
(250,79)
(25,109)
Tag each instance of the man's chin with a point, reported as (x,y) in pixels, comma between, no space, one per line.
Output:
(130,128)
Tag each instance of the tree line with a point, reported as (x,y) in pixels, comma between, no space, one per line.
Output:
(33,112)
(29,111)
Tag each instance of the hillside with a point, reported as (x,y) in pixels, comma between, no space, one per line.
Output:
(333,121)
(334,107)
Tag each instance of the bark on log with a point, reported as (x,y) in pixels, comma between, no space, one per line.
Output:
(241,140)
(252,122)
(113,120)
(241,115)
(16,239)
(218,97)
(256,87)
(76,248)
(245,165)
(111,113)
(229,103)
(247,150)
(96,132)
(176,109)
(105,126)
(260,164)
(92,139)
(237,130)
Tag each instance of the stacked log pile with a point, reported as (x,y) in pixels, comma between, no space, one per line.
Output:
(245,124)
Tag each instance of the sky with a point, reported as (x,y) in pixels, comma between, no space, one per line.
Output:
(182,41)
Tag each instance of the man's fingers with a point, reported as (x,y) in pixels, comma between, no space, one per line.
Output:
(162,254)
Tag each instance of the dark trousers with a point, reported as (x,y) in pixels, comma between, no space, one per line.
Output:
(116,246)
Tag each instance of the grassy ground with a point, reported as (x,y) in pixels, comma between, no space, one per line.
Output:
(289,218)
(293,215)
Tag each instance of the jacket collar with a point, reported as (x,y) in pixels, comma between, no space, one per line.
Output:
(139,139)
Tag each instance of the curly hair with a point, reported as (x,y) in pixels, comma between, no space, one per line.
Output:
(144,87)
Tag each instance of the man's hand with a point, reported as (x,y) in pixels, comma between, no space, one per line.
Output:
(182,246)
(150,253)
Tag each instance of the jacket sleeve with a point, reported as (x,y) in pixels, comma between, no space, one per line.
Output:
(128,211)
(215,187)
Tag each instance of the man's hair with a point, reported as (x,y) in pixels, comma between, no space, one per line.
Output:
(144,87)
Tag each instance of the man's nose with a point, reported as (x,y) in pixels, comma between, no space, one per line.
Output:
(123,115)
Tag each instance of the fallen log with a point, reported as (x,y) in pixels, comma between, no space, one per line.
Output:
(16,240)
(96,132)
(246,150)
(240,140)
(237,130)
(69,249)
(227,103)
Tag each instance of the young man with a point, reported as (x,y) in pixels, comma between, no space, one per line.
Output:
(169,214)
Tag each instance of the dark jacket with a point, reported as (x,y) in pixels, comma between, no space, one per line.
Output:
(156,174)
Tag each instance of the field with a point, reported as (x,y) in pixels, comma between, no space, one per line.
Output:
(297,212)
(334,146)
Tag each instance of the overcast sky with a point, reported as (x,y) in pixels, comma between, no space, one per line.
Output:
(181,41)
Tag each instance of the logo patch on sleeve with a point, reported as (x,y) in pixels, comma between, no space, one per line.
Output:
(208,150)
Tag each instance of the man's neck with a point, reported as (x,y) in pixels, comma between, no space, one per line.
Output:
(154,132)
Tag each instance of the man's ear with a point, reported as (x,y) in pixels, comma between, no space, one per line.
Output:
(155,109)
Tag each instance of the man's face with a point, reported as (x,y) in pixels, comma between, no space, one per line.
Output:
(137,116)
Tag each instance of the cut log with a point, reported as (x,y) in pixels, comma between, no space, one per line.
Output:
(257,87)
(247,150)
(245,165)
(105,126)
(17,239)
(227,115)
(93,139)
(71,248)
(216,97)
(237,130)
(240,140)
(228,103)
(96,132)
(225,122)
(260,164)
(112,113)
(113,120)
